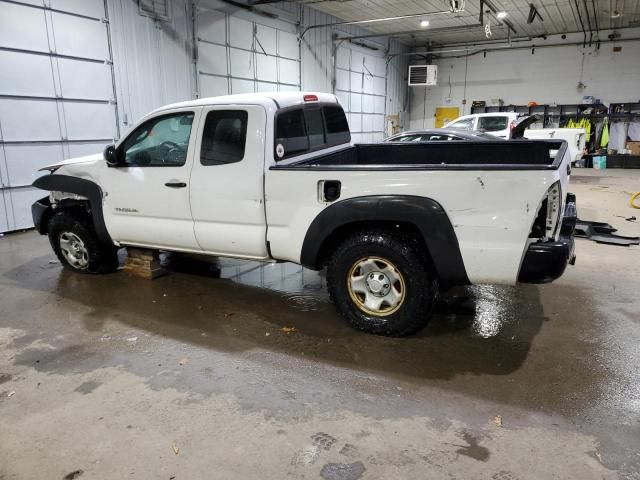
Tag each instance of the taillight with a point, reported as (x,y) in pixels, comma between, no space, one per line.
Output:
(554,203)
(547,220)
(310,98)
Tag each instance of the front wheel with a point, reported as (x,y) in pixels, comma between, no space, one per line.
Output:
(77,246)
(382,283)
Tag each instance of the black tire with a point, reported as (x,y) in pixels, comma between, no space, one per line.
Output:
(417,280)
(98,257)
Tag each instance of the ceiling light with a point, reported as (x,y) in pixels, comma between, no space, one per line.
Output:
(501,14)
(424,23)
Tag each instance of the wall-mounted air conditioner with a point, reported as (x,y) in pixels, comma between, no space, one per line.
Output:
(421,75)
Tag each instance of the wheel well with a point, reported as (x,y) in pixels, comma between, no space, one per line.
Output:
(338,235)
(78,209)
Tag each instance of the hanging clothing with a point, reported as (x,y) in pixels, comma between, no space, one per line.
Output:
(618,136)
(604,138)
(634,131)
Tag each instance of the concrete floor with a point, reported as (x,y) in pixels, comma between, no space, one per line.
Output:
(189,376)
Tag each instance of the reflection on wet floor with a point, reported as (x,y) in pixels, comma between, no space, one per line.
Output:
(303,289)
(488,308)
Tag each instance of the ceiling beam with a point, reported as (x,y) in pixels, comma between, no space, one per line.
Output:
(374,20)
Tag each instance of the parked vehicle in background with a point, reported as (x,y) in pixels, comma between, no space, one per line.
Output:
(274,177)
(510,125)
(439,135)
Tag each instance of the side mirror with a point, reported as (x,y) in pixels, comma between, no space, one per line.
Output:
(111,156)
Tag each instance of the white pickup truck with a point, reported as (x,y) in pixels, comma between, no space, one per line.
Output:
(511,125)
(274,177)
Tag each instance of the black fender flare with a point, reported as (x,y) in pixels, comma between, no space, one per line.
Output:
(424,213)
(79,186)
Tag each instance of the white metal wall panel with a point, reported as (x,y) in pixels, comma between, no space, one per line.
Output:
(23,161)
(20,77)
(153,61)
(80,149)
(79,37)
(242,64)
(56,88)
(89,8)
(287,45)
(212,59)
(268,38)
(21,201)
(387,91)
(24,120)
(213,86)
(89,121)
(240,33)
(89,80)
(242,55)
(267,68)
(5,207)
(4,200)
(22,27)
(361,87)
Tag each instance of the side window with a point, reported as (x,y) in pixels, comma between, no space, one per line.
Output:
(437,138)
(224,137)
(492,124)
(159,142)
(337,126)
(464,124)
(310,128)
(407,138)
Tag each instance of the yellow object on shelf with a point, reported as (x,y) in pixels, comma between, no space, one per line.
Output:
(632,200)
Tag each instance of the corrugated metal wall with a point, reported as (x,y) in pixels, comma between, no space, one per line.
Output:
(56,94)
(317,55)
(152,59)
(153,65)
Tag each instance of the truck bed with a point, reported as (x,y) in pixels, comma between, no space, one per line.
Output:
(467,155)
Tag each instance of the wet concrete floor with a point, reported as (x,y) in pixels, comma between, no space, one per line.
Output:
(236,369)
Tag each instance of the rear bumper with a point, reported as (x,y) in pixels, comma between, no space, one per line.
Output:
(546,261)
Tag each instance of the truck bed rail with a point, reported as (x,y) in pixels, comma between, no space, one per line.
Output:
(463,155)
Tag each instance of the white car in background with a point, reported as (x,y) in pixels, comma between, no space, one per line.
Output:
(511,125)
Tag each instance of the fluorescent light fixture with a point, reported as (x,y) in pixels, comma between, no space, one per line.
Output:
(501,14)
(424,23)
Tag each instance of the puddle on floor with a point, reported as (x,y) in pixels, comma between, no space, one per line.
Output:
(485,311)
(302,288)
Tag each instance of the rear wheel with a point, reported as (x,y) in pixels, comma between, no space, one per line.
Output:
(382,283)
(77,246)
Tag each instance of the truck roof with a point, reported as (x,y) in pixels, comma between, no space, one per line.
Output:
(280,99)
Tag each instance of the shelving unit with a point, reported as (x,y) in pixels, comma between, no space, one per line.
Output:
(549,113)
(624,111)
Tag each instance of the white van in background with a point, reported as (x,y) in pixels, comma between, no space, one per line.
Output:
(510,125)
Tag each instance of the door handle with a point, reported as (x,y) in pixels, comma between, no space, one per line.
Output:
(175,184)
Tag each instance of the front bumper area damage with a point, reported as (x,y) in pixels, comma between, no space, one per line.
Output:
(41,212)
(546,261)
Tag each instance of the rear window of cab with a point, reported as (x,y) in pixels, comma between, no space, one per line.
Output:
(307,128)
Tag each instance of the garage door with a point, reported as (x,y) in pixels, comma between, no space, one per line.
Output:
(240,56)
(361,88)
(56,94)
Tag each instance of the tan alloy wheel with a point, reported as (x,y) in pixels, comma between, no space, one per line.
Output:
(376,286)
